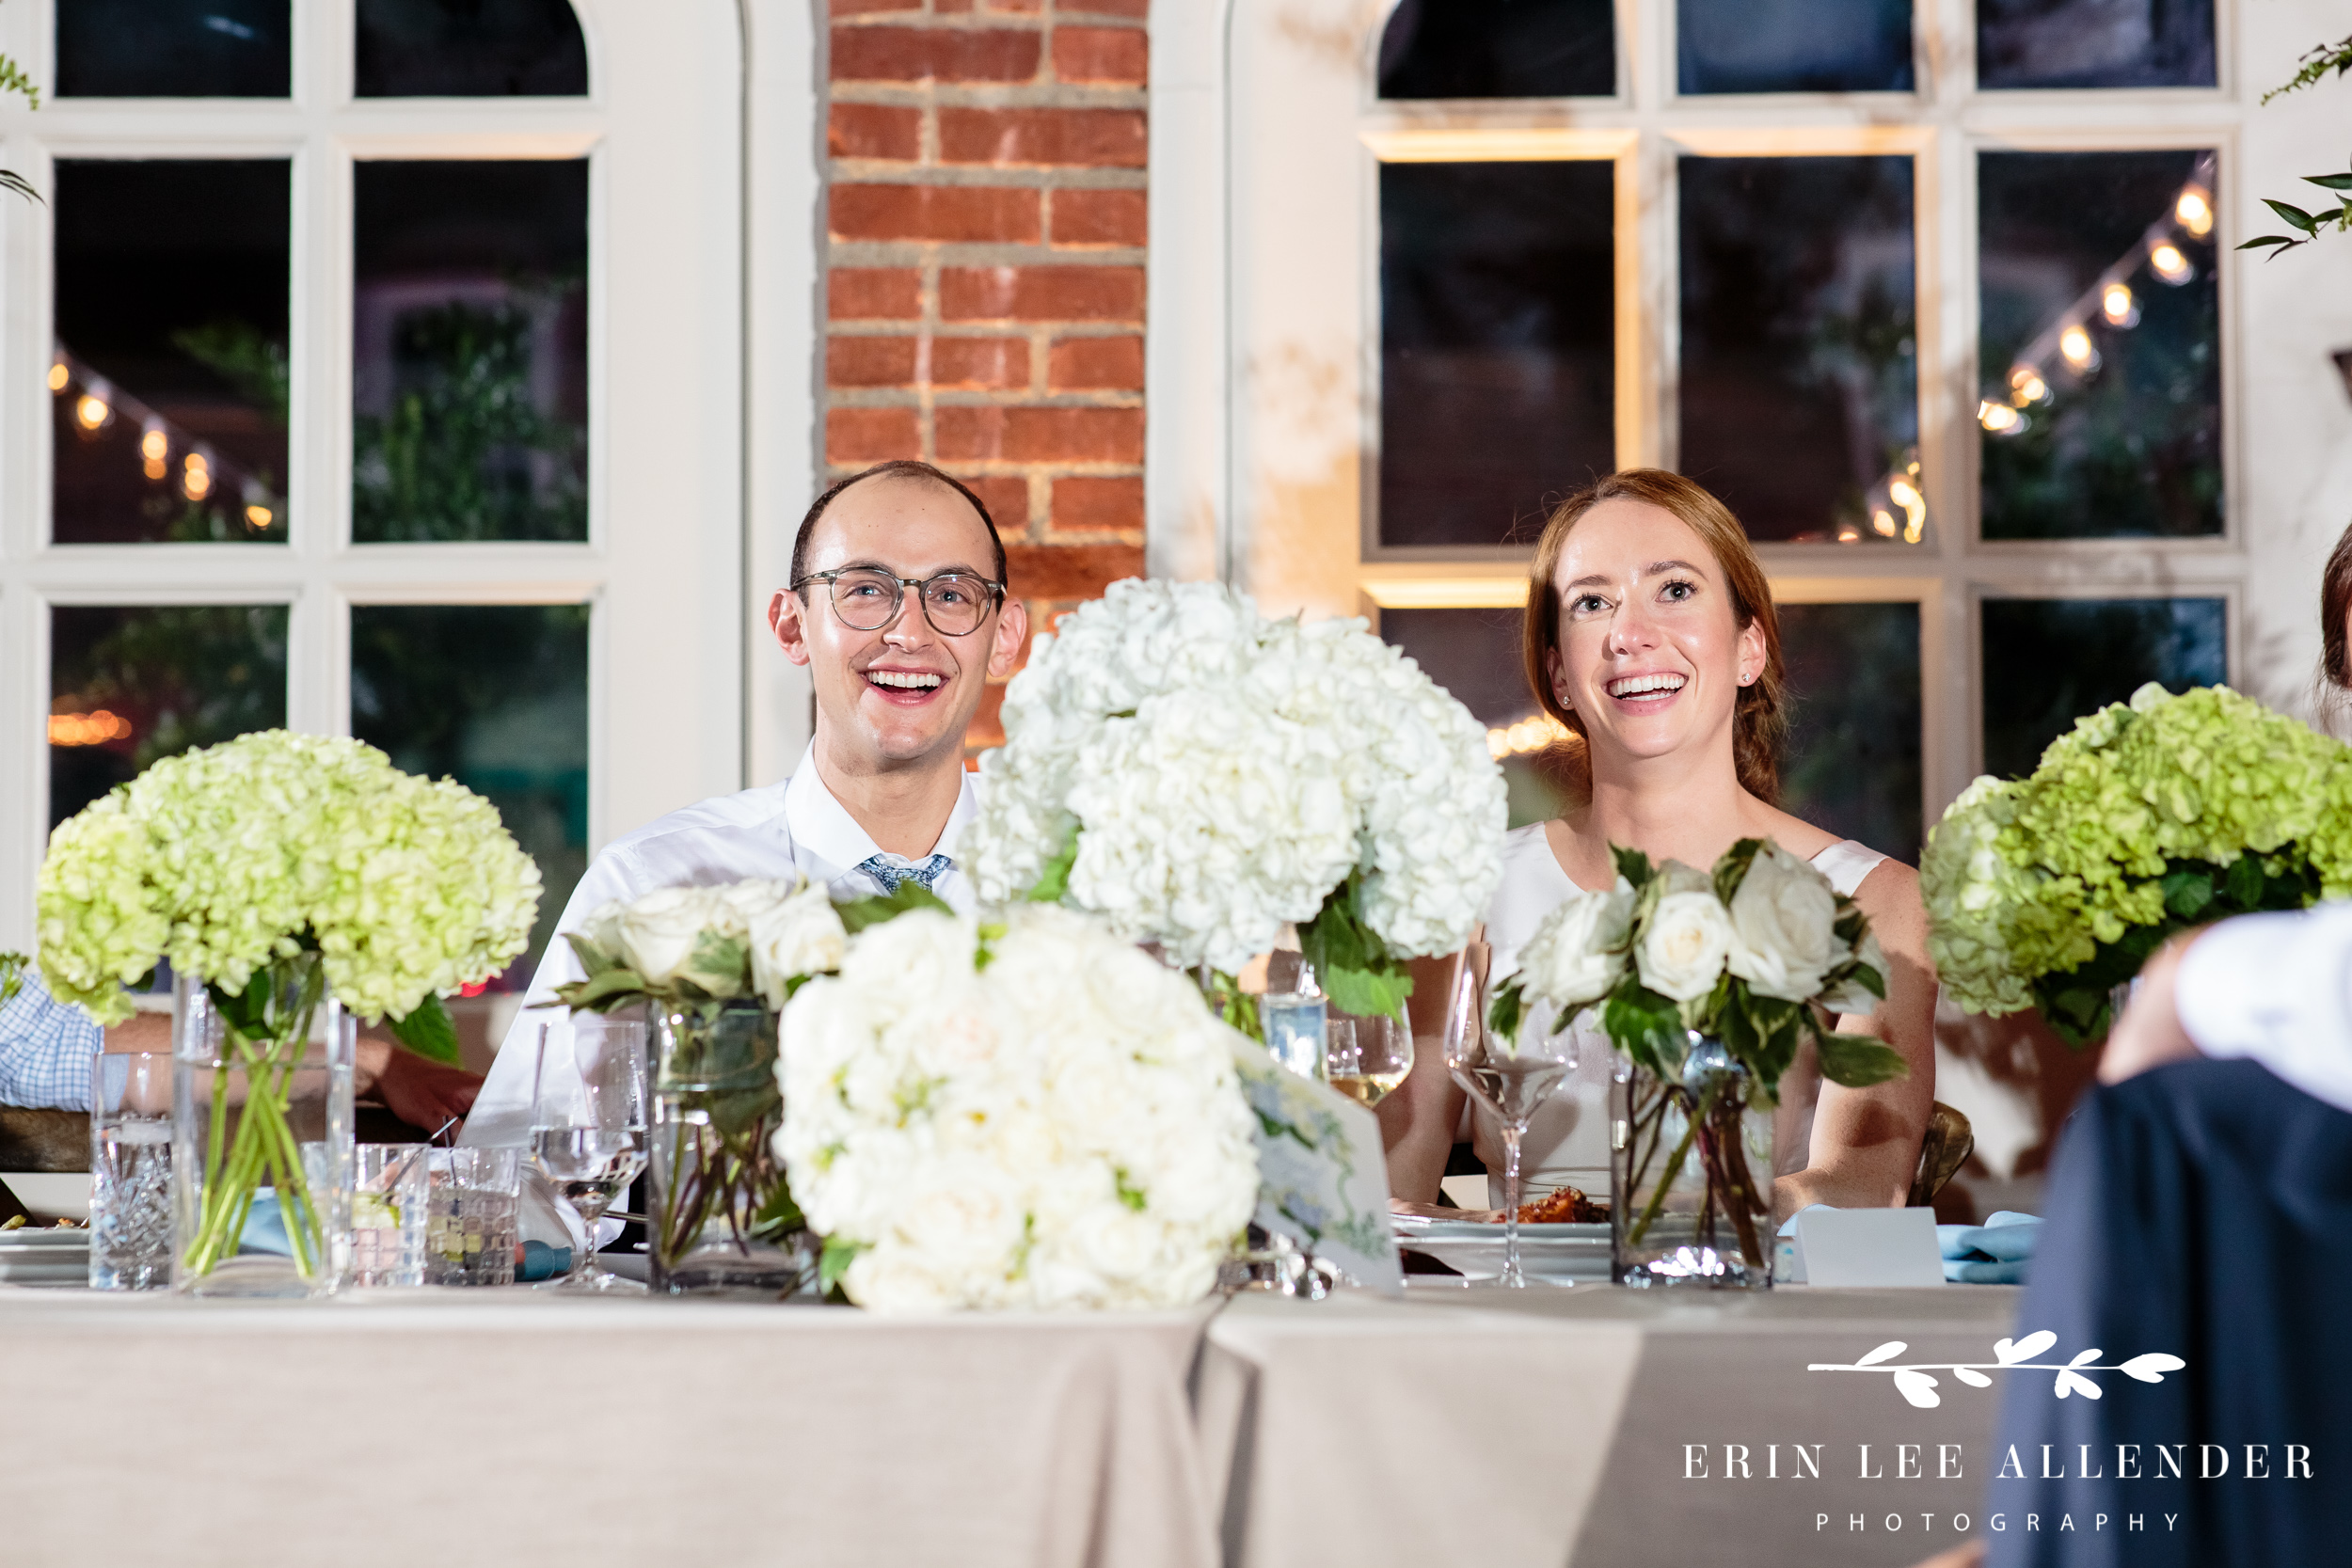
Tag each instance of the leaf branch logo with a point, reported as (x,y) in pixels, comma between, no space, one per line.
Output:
(2012,1355)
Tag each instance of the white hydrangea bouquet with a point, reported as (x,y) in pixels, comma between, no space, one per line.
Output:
(715,965)
(279,869)
(1199,775)
(1029,1113)
(2147,817)
(1708,982)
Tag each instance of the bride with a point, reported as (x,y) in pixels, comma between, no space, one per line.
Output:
(1650,634)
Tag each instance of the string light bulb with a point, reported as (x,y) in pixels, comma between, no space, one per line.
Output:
(2171,264)
(2027,386)
(1999,418)
(257,517)
(92,411)
(2193,208)
(1527,735)
(2075,343)
(2116,303)
(58,376)
(195,477)
(1882,522)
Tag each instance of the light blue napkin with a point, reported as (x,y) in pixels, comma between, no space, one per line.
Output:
(1994,1253)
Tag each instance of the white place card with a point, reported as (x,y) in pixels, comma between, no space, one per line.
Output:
(1868,1247)
(1323,1178)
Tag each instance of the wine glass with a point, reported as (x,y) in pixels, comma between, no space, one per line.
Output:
(1511,1078)
(588,1127)
(1366,1058)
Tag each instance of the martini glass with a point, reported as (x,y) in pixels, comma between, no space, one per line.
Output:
(1510,1077)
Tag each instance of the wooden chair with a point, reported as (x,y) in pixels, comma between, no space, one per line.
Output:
(1942,1152)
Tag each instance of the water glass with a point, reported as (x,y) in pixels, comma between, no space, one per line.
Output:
(588,1121)
(1294,1025)
(130,1162)
(387,1214)
(1510,1077)
(470,1216)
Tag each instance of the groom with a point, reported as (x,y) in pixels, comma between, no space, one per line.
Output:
(897,607)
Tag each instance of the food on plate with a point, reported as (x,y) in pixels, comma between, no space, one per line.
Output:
(1561,1206)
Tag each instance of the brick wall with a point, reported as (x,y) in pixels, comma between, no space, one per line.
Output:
(985,282)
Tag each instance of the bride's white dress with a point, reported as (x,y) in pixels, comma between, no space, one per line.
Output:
(1568,1142)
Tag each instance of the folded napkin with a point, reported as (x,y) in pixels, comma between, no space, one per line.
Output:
(541,1261)
(1994,1253)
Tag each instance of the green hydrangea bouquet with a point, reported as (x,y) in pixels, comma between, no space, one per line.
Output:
(279,869)
(2147,817)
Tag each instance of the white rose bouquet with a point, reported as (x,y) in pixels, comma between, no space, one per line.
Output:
(697,949)
(1031,1115)
(1199,775)
(1742,956)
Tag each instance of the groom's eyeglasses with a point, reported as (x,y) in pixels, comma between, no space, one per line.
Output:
(869,599)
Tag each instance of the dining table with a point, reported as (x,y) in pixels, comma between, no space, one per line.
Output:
(1589,1426)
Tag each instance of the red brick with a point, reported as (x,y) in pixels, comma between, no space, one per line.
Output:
(874,131)
(1096,364)
(1100,217)
(870,361)
(1098,504)
(1007,498)
(970,214)
(1069,571)
(874,293)
(1101,55)
(1040,435)
(1041,294)
(1110,139)
(946,55)
(871,434)
(1136,9)
(979,362)
(858,8)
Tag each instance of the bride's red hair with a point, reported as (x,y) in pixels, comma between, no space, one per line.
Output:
(1760,722)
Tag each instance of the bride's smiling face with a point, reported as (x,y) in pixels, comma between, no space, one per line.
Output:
(1650,654)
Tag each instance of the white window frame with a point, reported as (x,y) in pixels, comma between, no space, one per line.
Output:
(664,564)
(1267,135)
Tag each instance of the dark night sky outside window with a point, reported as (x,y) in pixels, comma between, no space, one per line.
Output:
(2131,447)
(168,418)
(1793,46)
(1498,345)
(2095,44)
(1500,49)
(174,49)
(469,49)
(1852,761)
(2049,661)
(1800,375)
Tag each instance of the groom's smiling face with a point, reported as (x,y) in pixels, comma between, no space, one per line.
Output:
(903,693)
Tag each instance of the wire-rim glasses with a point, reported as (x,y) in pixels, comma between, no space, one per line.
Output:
(867,598)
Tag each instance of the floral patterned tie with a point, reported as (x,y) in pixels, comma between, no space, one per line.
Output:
(891,870)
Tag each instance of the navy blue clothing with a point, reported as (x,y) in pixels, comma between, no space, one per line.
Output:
(2203,1210)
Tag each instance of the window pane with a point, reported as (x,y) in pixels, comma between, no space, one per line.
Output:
(174,49)
(1474,654)
(2095,44)
(1497,344)
(495,696)
(1500,49)
(2049,661)
(2101,345)
(168,381)
(1800,379)
(1793,46)
(469,383)
(469,49)
(132,685)
(1851,765)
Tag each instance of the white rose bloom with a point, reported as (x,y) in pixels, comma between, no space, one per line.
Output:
(1783,914)
(658,932)
(795,936)
(746,901)
(1682,950)
(1850,996)
(602,929)
(1568,961)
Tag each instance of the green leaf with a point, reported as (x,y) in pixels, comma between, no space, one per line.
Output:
(1054,881)
(1505,1012)
(1732,869)
(2186,892)
(983,952)
(2294,216)
(615,988)
(1366,992)
(2269,240)
(2245,881)
(1857,1061)
(429,1031)
(11,975)
(835,1261)
(10,180)
(780,1216)
(1132,1196)
(1351,962)
(857,914)
(2332,182)
(1647,1028)
(1632,864)
(1870,980)
(594,960)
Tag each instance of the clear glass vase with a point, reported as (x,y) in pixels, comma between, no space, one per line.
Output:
(1691,1174)
(261,1136)
(722,1219)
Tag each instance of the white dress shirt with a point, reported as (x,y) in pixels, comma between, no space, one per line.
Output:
(2276,987)
(773,831)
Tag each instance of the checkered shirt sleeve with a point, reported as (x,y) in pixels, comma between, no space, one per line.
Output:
(45,1050)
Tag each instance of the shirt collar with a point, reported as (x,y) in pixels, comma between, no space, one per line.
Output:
(823,829)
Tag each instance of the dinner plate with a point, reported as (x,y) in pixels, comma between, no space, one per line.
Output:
(44,1257)
(1561,1253)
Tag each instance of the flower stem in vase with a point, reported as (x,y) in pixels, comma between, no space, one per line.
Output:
(1673,1161)
(1729,1176)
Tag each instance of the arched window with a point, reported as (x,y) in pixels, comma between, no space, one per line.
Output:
(1499,49)
(469,49)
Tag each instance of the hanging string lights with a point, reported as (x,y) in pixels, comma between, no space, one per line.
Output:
(2110,303)
(202,474)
